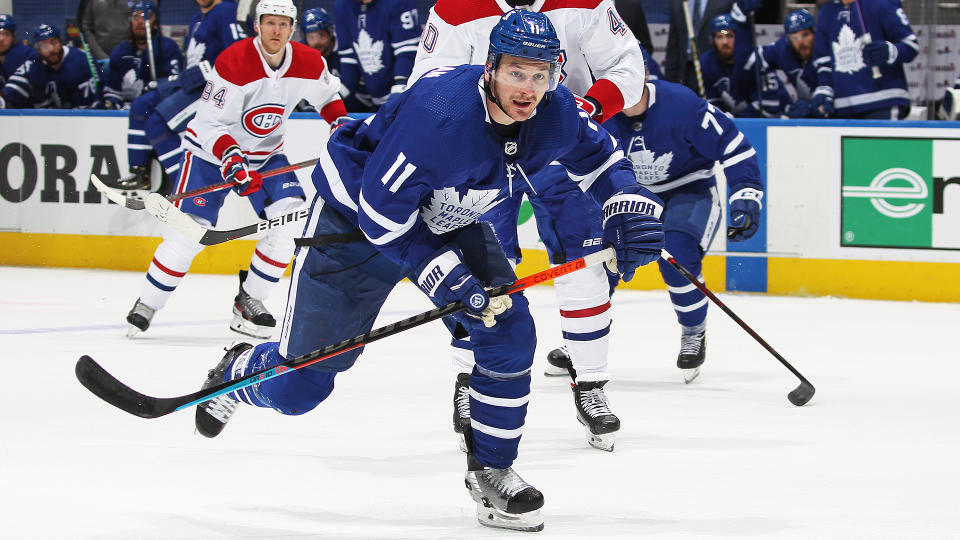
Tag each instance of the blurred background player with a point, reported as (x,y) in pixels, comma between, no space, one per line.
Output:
(13,53)
(377,42)
(676,141)
(320,34)
(238,130)
(61,78)
(158,117)
(600,61)
(388,206)
(792,54)
(859,51)
(131,69)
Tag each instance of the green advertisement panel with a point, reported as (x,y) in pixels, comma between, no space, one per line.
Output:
(888,191)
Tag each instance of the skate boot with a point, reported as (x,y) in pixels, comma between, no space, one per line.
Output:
(137,180)
(593,412)
(139,318)
(250,317)
(461,408)
(213,415)
(503,499)
(558,363)
(693,349)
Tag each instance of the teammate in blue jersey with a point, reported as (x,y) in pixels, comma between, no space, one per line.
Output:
(60,79)
(377,41)
(398,195)
(12,53)
(158,117)
(859,52)
(320,34)
(949,108)
(675,139)
(730,85)
(792,54)
(130,71)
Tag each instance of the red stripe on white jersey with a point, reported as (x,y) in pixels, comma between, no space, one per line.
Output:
(184,174)
(582,313)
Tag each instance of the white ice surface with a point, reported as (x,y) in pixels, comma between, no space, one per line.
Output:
(874,455)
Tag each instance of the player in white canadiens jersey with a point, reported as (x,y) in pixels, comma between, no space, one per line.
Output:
(599,60)
(237,132)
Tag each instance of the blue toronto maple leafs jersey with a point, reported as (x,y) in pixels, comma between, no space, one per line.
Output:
(838,57)
(15,57)
(779,55)
(36,85)
(212,32)
(378,43)
(429,162)
(680,137)
(732,87)
(130,70)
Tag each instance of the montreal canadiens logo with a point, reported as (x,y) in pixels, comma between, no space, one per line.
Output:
(263,120)
(199,201)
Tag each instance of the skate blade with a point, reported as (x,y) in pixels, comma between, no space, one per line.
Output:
(491,517)
(603,442)
(554,371)
(463,442)
(690,374)
(247,328)
(133,331)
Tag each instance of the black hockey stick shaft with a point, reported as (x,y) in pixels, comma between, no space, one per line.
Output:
(96,379)
(798,396)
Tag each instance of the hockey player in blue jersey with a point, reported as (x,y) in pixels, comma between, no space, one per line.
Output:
(398,195)
(319,33)
(12,53)
(60,79)
(792,53)
(130,72)
(859,52)
(675,139)
(158,118)
(377,42)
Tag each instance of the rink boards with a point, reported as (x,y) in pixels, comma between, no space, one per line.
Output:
(852,209)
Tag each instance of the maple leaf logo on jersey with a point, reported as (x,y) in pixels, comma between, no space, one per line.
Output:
(847,57)
(448,211)
(369,53)
(195,52)
(648,168)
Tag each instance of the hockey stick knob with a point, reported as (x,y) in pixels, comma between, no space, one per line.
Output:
(800,395)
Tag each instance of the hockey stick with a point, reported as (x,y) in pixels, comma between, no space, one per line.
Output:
(110,389)
(867,38)
(693,48)
(153,69)
(800,395)
(136,203)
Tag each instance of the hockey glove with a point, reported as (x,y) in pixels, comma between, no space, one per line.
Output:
(631,223)
(799,109)
(445,279)
(745,208)
(822,102)
(743,8)
(590,106)
(191,79)
(234,167)
(879,53)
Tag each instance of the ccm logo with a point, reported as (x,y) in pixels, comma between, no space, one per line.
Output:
(263,120)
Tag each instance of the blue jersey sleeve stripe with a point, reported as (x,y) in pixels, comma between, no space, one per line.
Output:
(738,158)
(733,144)
(586,181)
(332,174)
(383,220)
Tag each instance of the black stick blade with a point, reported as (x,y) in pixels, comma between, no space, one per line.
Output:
(105,386)
(800,395)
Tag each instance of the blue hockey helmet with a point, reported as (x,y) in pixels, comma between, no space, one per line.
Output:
(722,23)
(525,34)
(316,19)
(7,22)
(46,31)
(798,20)
(145,7)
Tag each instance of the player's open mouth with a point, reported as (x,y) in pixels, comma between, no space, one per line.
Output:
(521,104)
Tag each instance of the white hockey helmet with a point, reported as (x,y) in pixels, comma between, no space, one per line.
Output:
(283,8)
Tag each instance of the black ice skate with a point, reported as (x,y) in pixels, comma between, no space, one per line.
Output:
(503,499)
(250,317)
(139,318)
(693,350)
(213,415)
(558,363)
(593,412)
(137,180)
(461,408)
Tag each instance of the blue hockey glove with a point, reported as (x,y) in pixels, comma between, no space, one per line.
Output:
(445,279)
(822,102)
(879,53)
(745,208)
(631,223)
(234,167)
(749,6)
(191,79)
(799,109)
